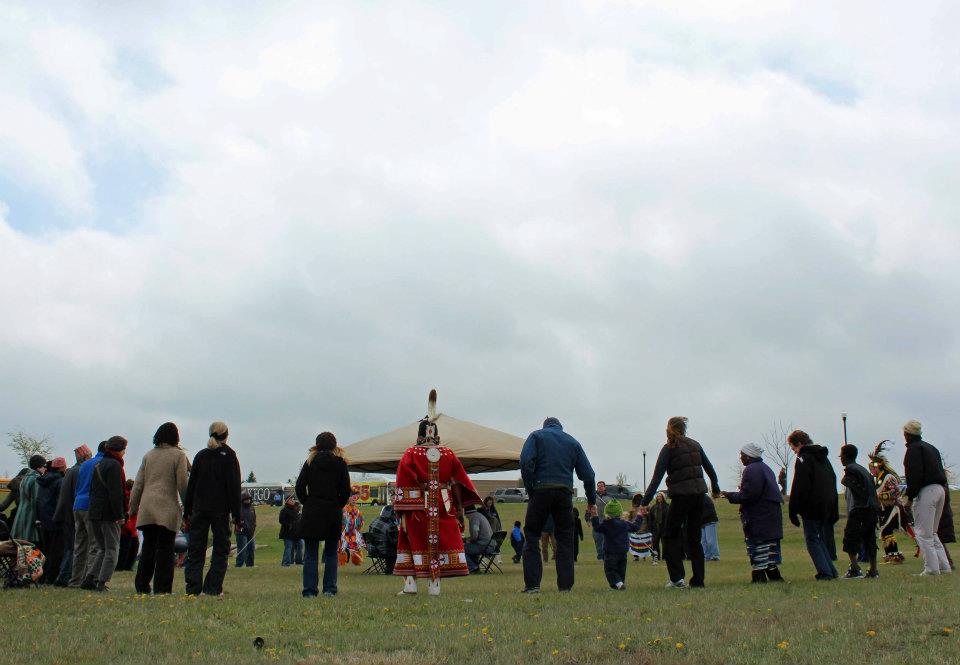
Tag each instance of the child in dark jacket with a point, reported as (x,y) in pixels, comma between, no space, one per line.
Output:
(616,541)
(516,539)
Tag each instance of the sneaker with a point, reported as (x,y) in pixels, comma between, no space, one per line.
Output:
(873,574)
(329,594)
(854,574)
(531,589)
(620,586)
(679,584)
(927,573)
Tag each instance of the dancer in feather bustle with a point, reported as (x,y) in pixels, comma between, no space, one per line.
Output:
(432,490)
(893,516)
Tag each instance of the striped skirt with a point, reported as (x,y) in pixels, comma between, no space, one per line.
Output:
(640,544)
(763,554)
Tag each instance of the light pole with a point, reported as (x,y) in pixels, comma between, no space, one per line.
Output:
(644,470)
(844,416)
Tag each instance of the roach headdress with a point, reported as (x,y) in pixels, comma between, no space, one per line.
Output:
(428,434)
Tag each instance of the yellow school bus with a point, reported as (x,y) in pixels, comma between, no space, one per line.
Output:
(373,492)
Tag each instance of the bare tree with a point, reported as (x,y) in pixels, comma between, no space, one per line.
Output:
(622,478)
(27,445)
(775,446)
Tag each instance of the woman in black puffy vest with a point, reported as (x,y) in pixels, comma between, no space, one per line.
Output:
(683,462)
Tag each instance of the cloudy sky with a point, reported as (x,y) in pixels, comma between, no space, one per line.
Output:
(296,218)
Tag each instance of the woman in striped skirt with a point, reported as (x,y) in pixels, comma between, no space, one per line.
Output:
(761,514)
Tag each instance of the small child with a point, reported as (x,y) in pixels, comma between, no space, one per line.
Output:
(641,540)
(615,532)
(516,539)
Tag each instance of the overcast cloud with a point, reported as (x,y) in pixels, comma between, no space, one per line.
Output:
(296,218)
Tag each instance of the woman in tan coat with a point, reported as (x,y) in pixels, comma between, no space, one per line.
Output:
(157,497)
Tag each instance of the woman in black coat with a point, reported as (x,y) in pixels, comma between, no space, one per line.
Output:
(324,488)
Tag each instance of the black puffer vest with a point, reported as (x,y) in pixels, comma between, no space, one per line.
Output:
(685,469)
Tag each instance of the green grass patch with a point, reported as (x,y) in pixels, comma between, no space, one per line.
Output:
(900,618)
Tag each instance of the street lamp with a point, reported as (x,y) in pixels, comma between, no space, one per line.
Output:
(644,470)
(844,416)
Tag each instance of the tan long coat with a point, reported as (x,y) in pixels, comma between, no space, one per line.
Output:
(159,489)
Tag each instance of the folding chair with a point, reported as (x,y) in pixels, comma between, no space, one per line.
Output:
(488,559)
(378,562)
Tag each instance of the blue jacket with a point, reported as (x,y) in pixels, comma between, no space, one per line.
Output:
(549,458)
(517,534)
(616,533)
(81,499)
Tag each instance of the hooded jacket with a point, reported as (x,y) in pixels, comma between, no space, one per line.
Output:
(549,459)
(214,485)
(248,516)
(47,497)
(813,494)
(324,488)
(760,502)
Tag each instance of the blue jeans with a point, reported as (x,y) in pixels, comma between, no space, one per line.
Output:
(292,552)
(311,566)
(818,535)
(474,551)
(708,540)
(245,548)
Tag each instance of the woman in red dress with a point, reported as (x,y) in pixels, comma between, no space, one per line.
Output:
(432,490)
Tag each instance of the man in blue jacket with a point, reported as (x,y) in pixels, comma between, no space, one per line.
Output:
(84,546)
(548,461)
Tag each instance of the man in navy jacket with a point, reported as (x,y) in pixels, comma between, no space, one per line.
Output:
(548,461)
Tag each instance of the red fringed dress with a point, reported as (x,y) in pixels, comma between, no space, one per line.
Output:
(430,543)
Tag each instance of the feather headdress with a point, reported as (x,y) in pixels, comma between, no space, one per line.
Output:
(427,433)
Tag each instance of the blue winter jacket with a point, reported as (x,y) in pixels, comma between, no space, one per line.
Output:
(616,533)
(81,499)
(550,457)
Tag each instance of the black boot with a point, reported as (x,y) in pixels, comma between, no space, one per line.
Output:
(100,587)
(773,574)
(758,577)
(88,584)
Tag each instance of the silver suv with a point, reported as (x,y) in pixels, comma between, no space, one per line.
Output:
(511,495)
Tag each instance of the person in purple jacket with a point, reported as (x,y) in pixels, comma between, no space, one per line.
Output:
(760,502)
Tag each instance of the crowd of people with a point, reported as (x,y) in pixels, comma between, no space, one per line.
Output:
(686,525)
(86,518)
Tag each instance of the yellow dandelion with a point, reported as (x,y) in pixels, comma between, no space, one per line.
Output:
(555,652)
(947,630)
(528,642)
(783,645)
(622,646)
(871,633)
(679,646)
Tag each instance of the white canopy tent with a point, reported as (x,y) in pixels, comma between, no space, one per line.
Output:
(479,448)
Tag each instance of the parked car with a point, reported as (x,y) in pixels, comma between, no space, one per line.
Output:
(623,492)
(511,495)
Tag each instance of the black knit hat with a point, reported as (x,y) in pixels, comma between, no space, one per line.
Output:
(116,443)
(36,461)
(167,433)
(326,441)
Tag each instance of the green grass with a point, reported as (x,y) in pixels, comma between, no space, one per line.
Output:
(484,619)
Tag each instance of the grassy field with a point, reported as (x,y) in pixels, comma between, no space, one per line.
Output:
(898,619)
